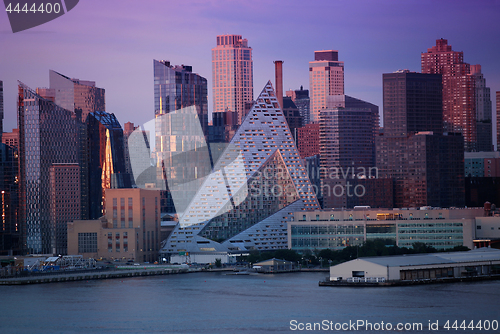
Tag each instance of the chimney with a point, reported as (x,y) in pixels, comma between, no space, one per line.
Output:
(278,68)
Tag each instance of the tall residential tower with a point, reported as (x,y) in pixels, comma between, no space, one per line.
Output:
(326,77)
(232,73)
(459,102)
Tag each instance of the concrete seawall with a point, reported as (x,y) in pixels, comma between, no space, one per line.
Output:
(90,275)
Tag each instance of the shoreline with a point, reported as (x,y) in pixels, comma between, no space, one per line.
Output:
(114,274)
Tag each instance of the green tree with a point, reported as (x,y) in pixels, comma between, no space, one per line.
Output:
(218,263)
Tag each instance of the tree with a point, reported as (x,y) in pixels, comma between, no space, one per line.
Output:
(218,263)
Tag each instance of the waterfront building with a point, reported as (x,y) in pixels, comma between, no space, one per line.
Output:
(301,99)
(336,229)
(484,125)
(47,135)
(11,138)
(106,160)
(232,73)
(419,267)
(255,187)
(308,140)
(129,230)
(64,202)
(326,78)
(458,85)
(487,231)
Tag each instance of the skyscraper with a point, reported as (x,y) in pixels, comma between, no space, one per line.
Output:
(347,129)
(47,136)
(181,127)
(106,163)
(232,73)
(412,103)
(64,203)
(326,77)
(427,166)
(80,96)
(301,99)
(10,229)
(498,120)
(177,87)
(459,102)
(1,109)
(484,126)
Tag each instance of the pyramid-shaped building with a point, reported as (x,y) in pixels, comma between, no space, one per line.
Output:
(257,183)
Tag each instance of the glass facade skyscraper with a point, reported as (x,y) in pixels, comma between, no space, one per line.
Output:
(47,135)
(81,96)
(181,129)
(106,163)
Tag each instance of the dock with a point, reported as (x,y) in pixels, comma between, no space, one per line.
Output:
(408,282)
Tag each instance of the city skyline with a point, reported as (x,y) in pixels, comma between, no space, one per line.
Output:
(100,40)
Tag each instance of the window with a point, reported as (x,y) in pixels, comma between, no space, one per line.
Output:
(87,242)
(117,247)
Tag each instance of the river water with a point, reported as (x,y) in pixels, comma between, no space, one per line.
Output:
(219,303)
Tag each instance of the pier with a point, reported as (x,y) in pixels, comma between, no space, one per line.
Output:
(69,276)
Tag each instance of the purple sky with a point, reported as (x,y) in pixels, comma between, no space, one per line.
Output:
(114,42)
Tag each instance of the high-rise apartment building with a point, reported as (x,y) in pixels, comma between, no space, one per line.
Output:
(459,92)
(484,125)
(301,99)
(10,227)
(11,138)
(326,77)
(177,87)
(181,126)
(426,166)
(232,73)
(80,96)
(308,140)
(498,120)
(412,103)
(106,163)
(64,203)
(347,130)
(47,136)
(1,109)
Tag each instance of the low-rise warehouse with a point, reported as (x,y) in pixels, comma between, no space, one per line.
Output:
(478,262)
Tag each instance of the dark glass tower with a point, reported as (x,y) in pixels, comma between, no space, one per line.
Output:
(425,164)
(10,230)
(47,136)
(106,163)
(181,130)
